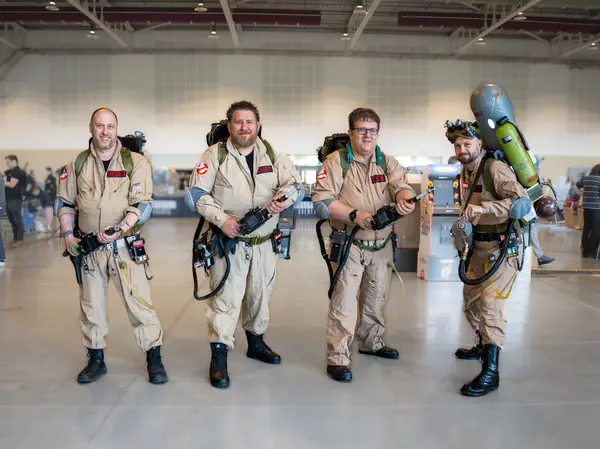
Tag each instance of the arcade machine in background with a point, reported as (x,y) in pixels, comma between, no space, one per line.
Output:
(437,258)
(407,230)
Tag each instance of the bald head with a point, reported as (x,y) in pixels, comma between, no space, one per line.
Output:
(103,128)
(103,110)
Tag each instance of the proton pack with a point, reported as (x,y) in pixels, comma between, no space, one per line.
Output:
(134,142)
(332,143)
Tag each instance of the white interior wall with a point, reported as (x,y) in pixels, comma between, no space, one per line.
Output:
(173,98)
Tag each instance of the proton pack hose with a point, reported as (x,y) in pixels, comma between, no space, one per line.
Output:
(323,250)
(195,276)
(463,266)
(343,261)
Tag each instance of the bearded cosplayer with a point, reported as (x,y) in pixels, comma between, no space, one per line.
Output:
(500,195)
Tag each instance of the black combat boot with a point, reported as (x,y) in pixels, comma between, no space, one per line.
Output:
(218,366)
(258,349)
(156,370)
(95,368)
(340,373)
(384,353)
(488,379)
(471,354)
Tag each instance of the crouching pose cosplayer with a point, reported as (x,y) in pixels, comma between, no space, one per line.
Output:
(500,196)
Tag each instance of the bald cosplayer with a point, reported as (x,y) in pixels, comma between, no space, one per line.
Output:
(108,186)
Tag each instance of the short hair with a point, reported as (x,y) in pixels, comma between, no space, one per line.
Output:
(12,157)
(242,106)
(103,109)
(595,170)
(364,114)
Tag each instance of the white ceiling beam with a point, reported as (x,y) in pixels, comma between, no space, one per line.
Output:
(101,24)
(8,43)
(153,27)
(469,4)
(363,23)
(581,47)
(498,24)
(456,32)
(535,36)
(230,22)
(18,27)
(10,63)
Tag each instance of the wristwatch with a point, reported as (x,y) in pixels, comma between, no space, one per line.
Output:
(352,215)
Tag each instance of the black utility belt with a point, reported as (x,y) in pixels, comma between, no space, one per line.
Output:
(275,238)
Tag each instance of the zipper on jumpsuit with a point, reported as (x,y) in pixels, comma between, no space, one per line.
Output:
(252,178)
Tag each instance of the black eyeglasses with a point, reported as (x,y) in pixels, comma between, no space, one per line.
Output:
(362,131)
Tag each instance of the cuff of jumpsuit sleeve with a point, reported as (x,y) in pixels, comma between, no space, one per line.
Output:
(402,189)
(219,219)
(133,210)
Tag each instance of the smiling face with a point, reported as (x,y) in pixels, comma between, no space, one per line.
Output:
(467,150)
(103,128)
(243,128)
(363,136)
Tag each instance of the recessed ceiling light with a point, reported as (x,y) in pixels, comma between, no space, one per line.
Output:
(51,6)
(520,18)
(92,35)
(480,39)
(200,8)
(345,37)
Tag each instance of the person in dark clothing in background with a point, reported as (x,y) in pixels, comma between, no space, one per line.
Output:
(15,183)
(590,239)
(2,209)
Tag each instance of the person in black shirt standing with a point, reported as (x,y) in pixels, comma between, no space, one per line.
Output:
(15,183)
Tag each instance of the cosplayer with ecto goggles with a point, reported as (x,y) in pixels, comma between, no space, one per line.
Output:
(500,196)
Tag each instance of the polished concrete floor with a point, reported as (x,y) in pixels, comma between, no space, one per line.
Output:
(564,245)
(550,369)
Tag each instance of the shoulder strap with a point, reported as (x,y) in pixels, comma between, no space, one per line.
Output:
(476,180)
(125,156)
(344,161)
(383,163)
(81,158)
(127,160)
(222,152)
(270,151)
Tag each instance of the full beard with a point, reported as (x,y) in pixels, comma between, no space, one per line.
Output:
(240,142)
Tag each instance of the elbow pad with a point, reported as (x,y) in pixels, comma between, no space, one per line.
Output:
(59,204)
(300,189)
(520,208)
(145,212)
(192,196)
(322,209)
